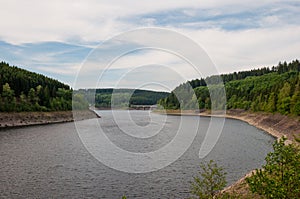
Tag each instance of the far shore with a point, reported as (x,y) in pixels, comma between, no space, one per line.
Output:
(22,119)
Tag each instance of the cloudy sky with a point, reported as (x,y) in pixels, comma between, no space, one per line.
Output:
(56,38)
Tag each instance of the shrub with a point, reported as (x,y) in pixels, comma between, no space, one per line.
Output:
(279,178)
(211,181)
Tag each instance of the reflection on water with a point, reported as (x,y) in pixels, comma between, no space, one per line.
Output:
(51,162)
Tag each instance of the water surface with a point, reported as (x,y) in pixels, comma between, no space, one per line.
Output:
(50,161)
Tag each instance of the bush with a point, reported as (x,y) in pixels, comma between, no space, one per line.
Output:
(279,178)
(211,181)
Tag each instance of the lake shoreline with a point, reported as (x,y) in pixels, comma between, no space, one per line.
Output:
(24,119)
(276,125)
(273,124)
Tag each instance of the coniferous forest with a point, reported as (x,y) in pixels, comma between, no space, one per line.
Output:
(22,90)
(275,89)
(121,98)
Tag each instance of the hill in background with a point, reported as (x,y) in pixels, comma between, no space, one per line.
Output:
(22,90)
(275,89)
(121,98)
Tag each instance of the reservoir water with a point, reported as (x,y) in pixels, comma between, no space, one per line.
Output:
(50,161)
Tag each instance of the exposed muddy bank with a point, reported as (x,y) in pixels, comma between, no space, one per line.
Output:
(275,124)
(9,120)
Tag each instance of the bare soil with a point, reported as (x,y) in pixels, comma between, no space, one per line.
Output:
(275,124)
(8,120)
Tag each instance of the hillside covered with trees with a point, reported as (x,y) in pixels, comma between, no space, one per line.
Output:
(21,90)
(275,89)
(121,98)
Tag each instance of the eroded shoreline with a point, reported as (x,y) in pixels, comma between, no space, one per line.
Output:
(23,119)
(274,124)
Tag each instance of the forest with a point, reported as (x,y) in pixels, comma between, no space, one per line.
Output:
(21,90)
(275,89)
(121,98)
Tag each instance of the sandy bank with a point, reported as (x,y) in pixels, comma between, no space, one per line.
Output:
(38,118)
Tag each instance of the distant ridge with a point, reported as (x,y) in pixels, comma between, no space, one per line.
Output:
(122,97)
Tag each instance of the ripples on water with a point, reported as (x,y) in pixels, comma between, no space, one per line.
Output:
(51,162)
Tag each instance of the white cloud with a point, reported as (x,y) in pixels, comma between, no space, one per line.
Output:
(69,69)
(90,20)
(245,49)
(270,21)
(136,68)
(271,40)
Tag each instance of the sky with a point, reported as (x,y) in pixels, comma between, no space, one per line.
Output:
(61,38)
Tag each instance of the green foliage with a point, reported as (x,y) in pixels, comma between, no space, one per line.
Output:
(269,90)
(295,100)
(79,103)
(210,182)
(8,98)
(121,98)
(271,104)
(297,138)
(21,90)
(284,99)
(21,80)
(279,178)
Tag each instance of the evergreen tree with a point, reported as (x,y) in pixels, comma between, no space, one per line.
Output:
(271,104)
(8,97)
(284,99)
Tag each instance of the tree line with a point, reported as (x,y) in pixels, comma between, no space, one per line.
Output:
(121,98)
(21,90)
(275,89)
